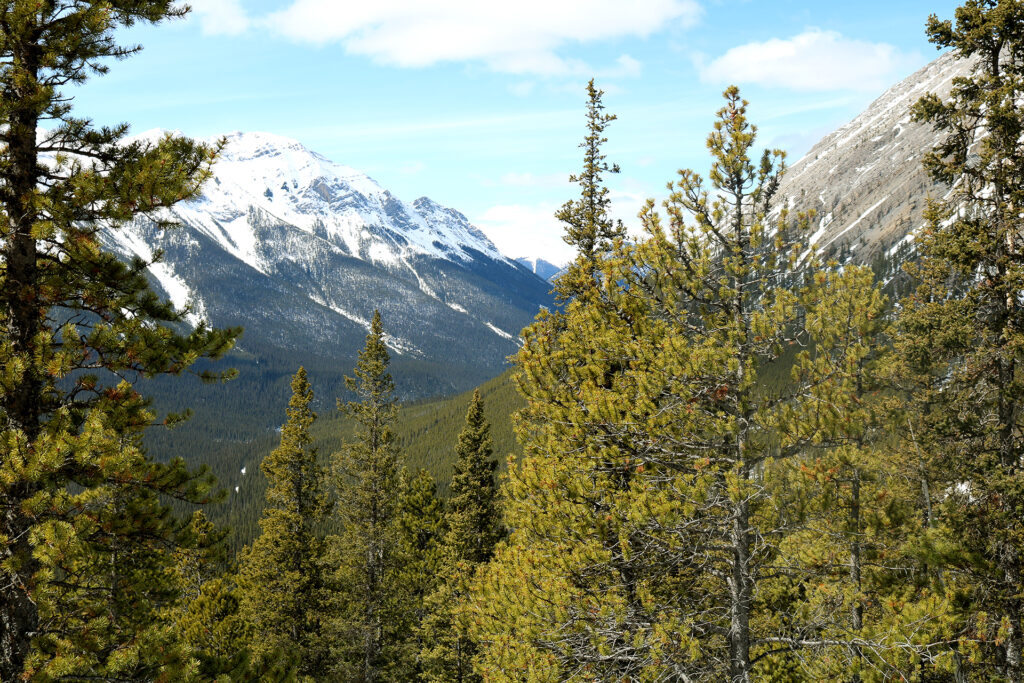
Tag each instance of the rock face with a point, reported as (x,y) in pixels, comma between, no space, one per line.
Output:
(300,251)
(864,181)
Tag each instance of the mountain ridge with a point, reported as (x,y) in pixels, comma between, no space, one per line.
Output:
(332,245)
(864,181)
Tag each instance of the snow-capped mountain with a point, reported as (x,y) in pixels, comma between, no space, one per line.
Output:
(865,180)
(300,250)
(540,267)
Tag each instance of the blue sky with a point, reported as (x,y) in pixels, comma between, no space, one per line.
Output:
(480,105)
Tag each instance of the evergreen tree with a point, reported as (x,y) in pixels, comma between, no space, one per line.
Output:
(666,414)
(76,320)
(365,553)
(474,520)
(421,532)
(474,528)
(283,593)
(961,336)
(588,227)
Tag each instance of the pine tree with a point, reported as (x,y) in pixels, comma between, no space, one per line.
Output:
(283,591)
(474,528)
(667,411)
(588,227)
(474,519)
(421,532)
(366,551)
(74,318)
(963,326)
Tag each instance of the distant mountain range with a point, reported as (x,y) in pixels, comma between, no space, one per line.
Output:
(300,250)
(539,267)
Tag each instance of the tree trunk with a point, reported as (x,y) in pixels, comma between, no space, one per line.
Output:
(22,406)
(740,594)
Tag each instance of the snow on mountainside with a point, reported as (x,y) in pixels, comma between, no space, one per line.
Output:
(300,250)
(540,267)
(865,180)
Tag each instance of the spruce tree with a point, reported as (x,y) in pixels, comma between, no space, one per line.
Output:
(588,227)
(75,319)
(474,520)
(421,529)
(365,552)
(963,328)
(474,528)
(283,592)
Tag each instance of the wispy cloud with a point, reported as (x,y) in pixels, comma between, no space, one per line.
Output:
(815,60)
(222,17)
(521,37)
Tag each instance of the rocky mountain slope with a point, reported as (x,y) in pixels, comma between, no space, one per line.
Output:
(864,181)
(300,250)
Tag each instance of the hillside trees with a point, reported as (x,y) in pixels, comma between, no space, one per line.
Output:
(283,592)
(79,329)
(963,326)
(647,515)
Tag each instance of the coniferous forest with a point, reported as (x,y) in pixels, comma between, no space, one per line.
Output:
(734,459)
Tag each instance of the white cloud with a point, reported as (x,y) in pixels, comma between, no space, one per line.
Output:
(514,37)
(814,60)
(532,230)
(521,230)
(221,17)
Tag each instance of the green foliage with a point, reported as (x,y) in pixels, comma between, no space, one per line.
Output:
(960,342)
(421,529)
(588,226)
(474,520)
(282,584)
(655,513)
(424,434)
(368,628)
(474,528)
(80,328)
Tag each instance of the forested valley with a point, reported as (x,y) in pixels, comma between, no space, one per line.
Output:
(722,455)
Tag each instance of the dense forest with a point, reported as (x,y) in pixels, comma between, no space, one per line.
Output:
(723,456)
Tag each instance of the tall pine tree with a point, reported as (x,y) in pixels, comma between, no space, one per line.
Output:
(75,319)
(474,528)
(367,628)
(283,591)
(965,326)
(667,409)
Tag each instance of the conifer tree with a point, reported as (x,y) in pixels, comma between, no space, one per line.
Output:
(474,528)
(474,521)
(75,319)
(419,567)
(588,227)
(647,525)
(367,629)
(963,328)
(283,592)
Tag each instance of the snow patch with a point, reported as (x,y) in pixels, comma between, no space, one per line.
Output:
(500,332)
